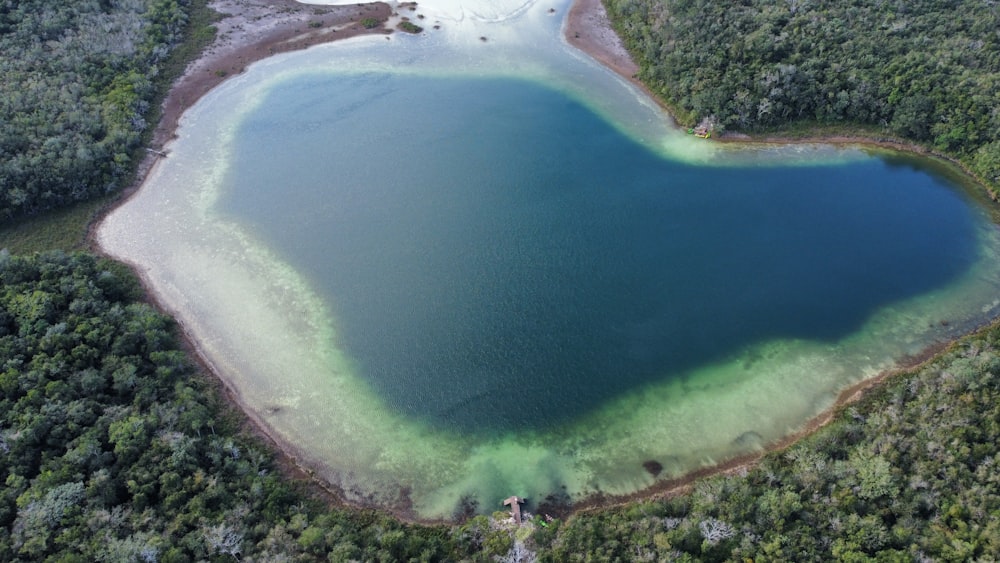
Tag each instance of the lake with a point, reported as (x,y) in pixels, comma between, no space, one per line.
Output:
(442,271)
(500,258)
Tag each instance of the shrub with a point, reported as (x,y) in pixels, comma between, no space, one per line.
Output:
(410,27)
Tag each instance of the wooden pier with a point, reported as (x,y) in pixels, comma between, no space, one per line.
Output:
(514,503)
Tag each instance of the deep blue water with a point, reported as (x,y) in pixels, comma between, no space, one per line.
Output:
(491,246)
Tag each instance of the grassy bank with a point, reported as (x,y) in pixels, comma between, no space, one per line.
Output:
(62,229)
(60,220)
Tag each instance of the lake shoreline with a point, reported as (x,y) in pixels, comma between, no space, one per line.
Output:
(247,31)
(250,32)
(586,28)
(738,465)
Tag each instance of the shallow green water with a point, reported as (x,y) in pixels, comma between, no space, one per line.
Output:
(441,270)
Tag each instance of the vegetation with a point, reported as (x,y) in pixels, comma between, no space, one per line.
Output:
(927,71)
(78,79)
(113,449)
(908,474)
(410,27)
(59,229)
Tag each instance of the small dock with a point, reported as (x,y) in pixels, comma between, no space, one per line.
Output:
(514,503)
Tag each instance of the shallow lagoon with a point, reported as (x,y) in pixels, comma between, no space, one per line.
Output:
(521,262)
(332,229)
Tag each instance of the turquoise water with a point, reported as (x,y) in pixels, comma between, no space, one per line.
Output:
(499,258)
(438,270)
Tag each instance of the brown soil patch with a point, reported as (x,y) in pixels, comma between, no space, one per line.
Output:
(589,29)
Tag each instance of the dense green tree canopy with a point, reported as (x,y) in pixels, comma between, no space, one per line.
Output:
(926,70)
(112,448)
(908,474)
(76,82)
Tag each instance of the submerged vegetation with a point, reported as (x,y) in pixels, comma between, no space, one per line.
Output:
(114,447)
(907,474)
(926,71)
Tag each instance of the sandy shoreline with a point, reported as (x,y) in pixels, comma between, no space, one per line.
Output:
(739,465)
(588,29)
(253,30)
(249,31)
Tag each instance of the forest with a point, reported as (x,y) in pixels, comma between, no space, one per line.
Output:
(116,446)
(113,447)
(923,71)
(907,474)
(77,81)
